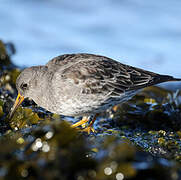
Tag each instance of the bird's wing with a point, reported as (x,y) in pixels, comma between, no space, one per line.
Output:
(98,74)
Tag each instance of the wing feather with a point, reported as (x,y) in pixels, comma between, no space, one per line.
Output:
(98,74)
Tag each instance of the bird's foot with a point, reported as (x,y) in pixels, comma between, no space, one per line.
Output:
(82,122)
(88,129)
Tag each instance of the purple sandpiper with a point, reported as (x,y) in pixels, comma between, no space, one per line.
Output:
(83,85)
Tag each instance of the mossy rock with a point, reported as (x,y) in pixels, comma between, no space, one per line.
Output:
(22,118)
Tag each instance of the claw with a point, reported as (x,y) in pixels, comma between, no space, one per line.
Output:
(82,122)
(89,130)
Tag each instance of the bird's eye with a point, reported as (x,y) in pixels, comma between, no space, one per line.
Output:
(24,86)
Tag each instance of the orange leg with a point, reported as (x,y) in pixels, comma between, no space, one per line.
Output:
(79,123)
(89,128)
(115,108)
(84,120)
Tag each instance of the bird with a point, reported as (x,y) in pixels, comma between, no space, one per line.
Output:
(83,85)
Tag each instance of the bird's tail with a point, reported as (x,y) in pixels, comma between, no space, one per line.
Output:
(165,78)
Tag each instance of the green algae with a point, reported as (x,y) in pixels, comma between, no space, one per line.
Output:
(57,151)
(22,118)
(153,125)
(4,57)
(1,108)
(58,146)
(8,77)
(13,75)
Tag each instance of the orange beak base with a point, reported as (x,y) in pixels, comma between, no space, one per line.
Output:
(18,101)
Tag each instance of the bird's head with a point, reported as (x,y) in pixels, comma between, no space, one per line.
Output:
(26,85)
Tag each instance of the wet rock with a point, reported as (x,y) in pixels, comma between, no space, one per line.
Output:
(153,123)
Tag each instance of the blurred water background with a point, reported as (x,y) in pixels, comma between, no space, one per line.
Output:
(141,33)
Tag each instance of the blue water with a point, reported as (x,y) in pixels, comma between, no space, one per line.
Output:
(141,33)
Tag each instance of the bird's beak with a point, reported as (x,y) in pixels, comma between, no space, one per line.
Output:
(18,101)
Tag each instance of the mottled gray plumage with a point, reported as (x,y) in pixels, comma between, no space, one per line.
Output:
(84,84)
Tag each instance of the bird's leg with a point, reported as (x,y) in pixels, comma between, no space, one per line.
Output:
(83,121)
(89,128)
(115,108)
